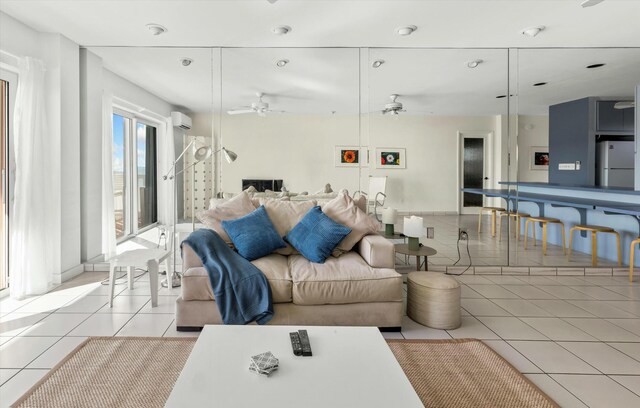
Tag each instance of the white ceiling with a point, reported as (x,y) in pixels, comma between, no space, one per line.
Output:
(321,80)
(326,23)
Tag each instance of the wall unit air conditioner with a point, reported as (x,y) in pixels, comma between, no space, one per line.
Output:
(181,120)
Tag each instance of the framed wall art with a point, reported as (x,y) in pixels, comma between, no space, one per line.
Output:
(390,158)
(539,157)
(347,156)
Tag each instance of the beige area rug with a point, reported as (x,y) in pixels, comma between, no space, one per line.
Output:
(465,373)
(113,372)
(141,372)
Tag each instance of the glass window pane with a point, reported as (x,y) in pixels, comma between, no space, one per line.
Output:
(146,168)
(120,125)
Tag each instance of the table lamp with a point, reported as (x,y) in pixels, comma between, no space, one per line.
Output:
(414,229)
(388,219)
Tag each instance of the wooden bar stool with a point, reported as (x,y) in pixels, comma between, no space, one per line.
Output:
(544,221)
(632,249)
(595,229)
(493,211)
(510,215)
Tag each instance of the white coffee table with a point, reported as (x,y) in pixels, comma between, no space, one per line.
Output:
(351,367)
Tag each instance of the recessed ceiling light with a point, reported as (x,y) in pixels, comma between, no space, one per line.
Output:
(501,96)
(474,63)
(185,62)
(281,30)
(281,63)
(595,66)
(407,30)
(539,84)
(377,63)
(156,29)
(532,31)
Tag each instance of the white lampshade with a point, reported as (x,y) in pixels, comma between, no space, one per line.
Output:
(389,215)
(413,226)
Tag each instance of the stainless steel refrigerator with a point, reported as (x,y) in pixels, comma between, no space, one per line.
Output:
(614,162)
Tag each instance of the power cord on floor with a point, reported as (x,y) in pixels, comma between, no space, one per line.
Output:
(461,234)
(124,275)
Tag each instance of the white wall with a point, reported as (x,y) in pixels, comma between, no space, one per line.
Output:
(130,92)
(430,181)
(532,131)
(91,90)
(17,38)
(299,149)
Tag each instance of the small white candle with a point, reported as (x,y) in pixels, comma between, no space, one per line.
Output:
(413,226)
(389,215)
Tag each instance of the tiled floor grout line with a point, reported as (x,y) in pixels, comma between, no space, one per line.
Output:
(622,328)
(566,389)
(621,375)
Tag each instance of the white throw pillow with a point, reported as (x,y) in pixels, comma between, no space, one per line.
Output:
(345,211)
(231,209)
(285,215)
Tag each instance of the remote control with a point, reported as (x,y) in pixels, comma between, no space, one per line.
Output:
(295,343)
(306,346)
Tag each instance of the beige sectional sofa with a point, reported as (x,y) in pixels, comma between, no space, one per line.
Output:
(358,288)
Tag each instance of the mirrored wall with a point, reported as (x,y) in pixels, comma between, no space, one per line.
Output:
(429,122)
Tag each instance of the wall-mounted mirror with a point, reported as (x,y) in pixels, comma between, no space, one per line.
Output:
(291,116)
(435,126)
(576,110)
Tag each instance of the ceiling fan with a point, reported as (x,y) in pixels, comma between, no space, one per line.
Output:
(394,107)
(260,107)
(624,105)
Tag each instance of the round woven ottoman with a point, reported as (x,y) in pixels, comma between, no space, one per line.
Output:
(433,300)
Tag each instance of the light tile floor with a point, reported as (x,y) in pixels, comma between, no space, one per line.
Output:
(577,338)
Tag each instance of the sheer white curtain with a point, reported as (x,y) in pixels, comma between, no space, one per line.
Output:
(36,216)
(108,214)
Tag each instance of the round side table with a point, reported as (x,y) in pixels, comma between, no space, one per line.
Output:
(422,251)
(433,300)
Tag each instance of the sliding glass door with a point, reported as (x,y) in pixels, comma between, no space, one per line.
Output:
(134,174)
(146,175)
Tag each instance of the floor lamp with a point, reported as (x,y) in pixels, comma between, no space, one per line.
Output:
(201,154)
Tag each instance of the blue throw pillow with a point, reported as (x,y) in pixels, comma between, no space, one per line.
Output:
(254,235)
(316,235)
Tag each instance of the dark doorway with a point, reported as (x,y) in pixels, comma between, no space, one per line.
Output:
(473,175)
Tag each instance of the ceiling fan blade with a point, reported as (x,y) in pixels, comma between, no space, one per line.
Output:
(240,111)
(624,105)
(590,3)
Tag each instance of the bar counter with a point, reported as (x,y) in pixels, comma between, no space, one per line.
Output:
(618,208)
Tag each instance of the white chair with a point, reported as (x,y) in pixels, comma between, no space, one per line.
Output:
(376,194)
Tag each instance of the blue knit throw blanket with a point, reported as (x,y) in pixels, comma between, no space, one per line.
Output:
(241,290)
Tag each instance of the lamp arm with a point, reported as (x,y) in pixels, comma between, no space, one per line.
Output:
(176,160)
(186,168)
